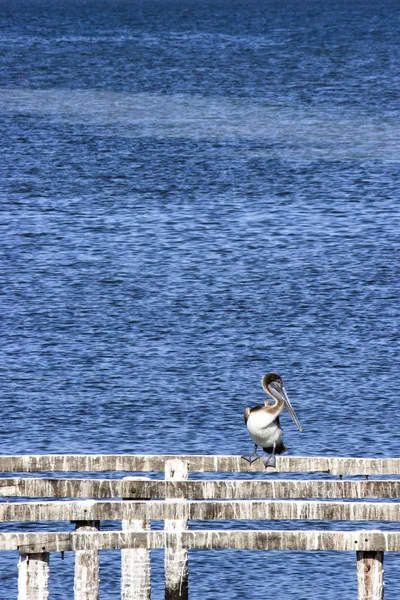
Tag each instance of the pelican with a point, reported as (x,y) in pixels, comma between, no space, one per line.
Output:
(263,421)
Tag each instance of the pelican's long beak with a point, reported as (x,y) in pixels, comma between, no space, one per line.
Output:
(281,392)
(291,409)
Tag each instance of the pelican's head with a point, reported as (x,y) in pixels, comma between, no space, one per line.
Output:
(272,384)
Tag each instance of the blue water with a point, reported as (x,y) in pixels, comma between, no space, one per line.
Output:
(194,194)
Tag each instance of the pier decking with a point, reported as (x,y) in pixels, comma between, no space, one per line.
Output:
(136,500)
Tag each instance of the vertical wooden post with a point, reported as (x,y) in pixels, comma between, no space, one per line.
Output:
(176,557)
(370,575)
(135,563)
(33,576)
(87,567)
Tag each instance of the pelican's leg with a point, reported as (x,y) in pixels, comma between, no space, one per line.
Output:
(270,460)
(253,456)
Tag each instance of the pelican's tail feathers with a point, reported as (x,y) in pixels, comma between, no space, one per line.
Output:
(280,448)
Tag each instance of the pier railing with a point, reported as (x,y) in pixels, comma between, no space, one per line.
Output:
(136,500)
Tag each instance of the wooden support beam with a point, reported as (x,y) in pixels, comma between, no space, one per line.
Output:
(215,463)
(33,576)
(292,540)
(370,575)
(371,540)
(208,489)
(176,556)
(87,566)
(113,510)
(135,563)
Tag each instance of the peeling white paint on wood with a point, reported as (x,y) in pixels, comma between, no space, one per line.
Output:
(364,540)
(33,576)
(183,502)
(87,566)
(200,463)
(176,556)
(132,511)
(135,564)
(208,489)
(370,575)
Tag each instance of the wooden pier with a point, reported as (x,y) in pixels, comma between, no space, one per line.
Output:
(136,500)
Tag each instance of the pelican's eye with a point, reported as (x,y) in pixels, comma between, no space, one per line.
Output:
(276,386)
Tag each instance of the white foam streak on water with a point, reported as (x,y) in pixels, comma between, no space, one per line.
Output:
(325,133)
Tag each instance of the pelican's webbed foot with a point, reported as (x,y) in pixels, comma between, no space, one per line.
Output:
(269,461)
(251,458)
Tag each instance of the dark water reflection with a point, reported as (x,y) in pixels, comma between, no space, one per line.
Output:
(195,193)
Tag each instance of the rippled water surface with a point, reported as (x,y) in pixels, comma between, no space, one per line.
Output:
(193,194)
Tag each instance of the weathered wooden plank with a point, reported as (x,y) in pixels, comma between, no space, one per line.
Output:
(176,556)
(293,540)
(370,575)
(268,488)
(135,563)
(382,541)
(214,463)
(87,566)
(199,510)
(33,576)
